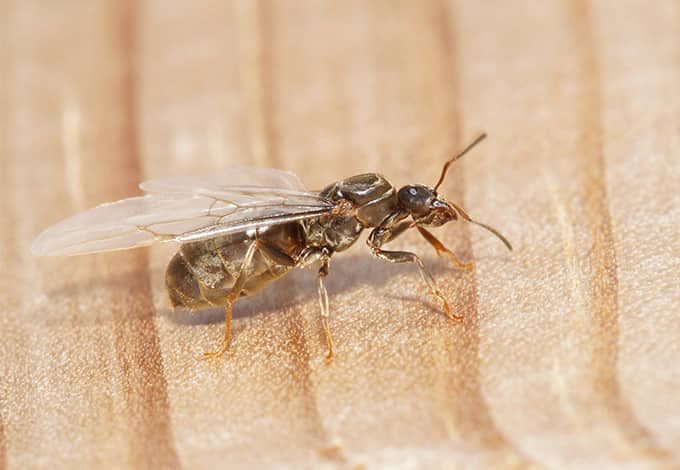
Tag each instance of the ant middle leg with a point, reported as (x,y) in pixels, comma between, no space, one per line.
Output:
(408,257)
(276,256)
(324,304)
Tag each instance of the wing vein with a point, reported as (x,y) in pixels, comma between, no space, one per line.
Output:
(186,209)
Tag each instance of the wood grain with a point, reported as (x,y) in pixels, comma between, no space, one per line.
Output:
(568,356)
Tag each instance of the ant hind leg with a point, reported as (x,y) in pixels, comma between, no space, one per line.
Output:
(231,299)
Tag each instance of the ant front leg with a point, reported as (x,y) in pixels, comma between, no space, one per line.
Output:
(440,248)
(382,235)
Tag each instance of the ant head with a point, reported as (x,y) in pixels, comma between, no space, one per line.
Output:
(423,203)
(425,206)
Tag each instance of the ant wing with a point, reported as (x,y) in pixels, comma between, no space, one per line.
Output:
(184,209)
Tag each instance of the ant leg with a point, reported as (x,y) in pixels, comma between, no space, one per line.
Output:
(440,248)
(323,303)
(231,299)
(407,257)
(227,333)
(275,256)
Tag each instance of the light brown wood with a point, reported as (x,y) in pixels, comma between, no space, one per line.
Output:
(569,354)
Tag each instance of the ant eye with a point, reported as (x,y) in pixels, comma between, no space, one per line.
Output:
(412,191)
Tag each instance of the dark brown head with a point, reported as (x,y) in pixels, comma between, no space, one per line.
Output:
(426,207)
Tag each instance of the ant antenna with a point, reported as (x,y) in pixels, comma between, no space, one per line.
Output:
(488,227)
(481,137)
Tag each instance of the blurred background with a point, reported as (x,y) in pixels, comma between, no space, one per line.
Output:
(569,355)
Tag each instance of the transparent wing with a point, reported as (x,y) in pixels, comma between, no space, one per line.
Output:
(184,209)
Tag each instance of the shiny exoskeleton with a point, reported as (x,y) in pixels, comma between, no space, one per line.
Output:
(243,227)
(218,271)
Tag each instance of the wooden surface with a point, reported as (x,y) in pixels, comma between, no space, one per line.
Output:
(569,355)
